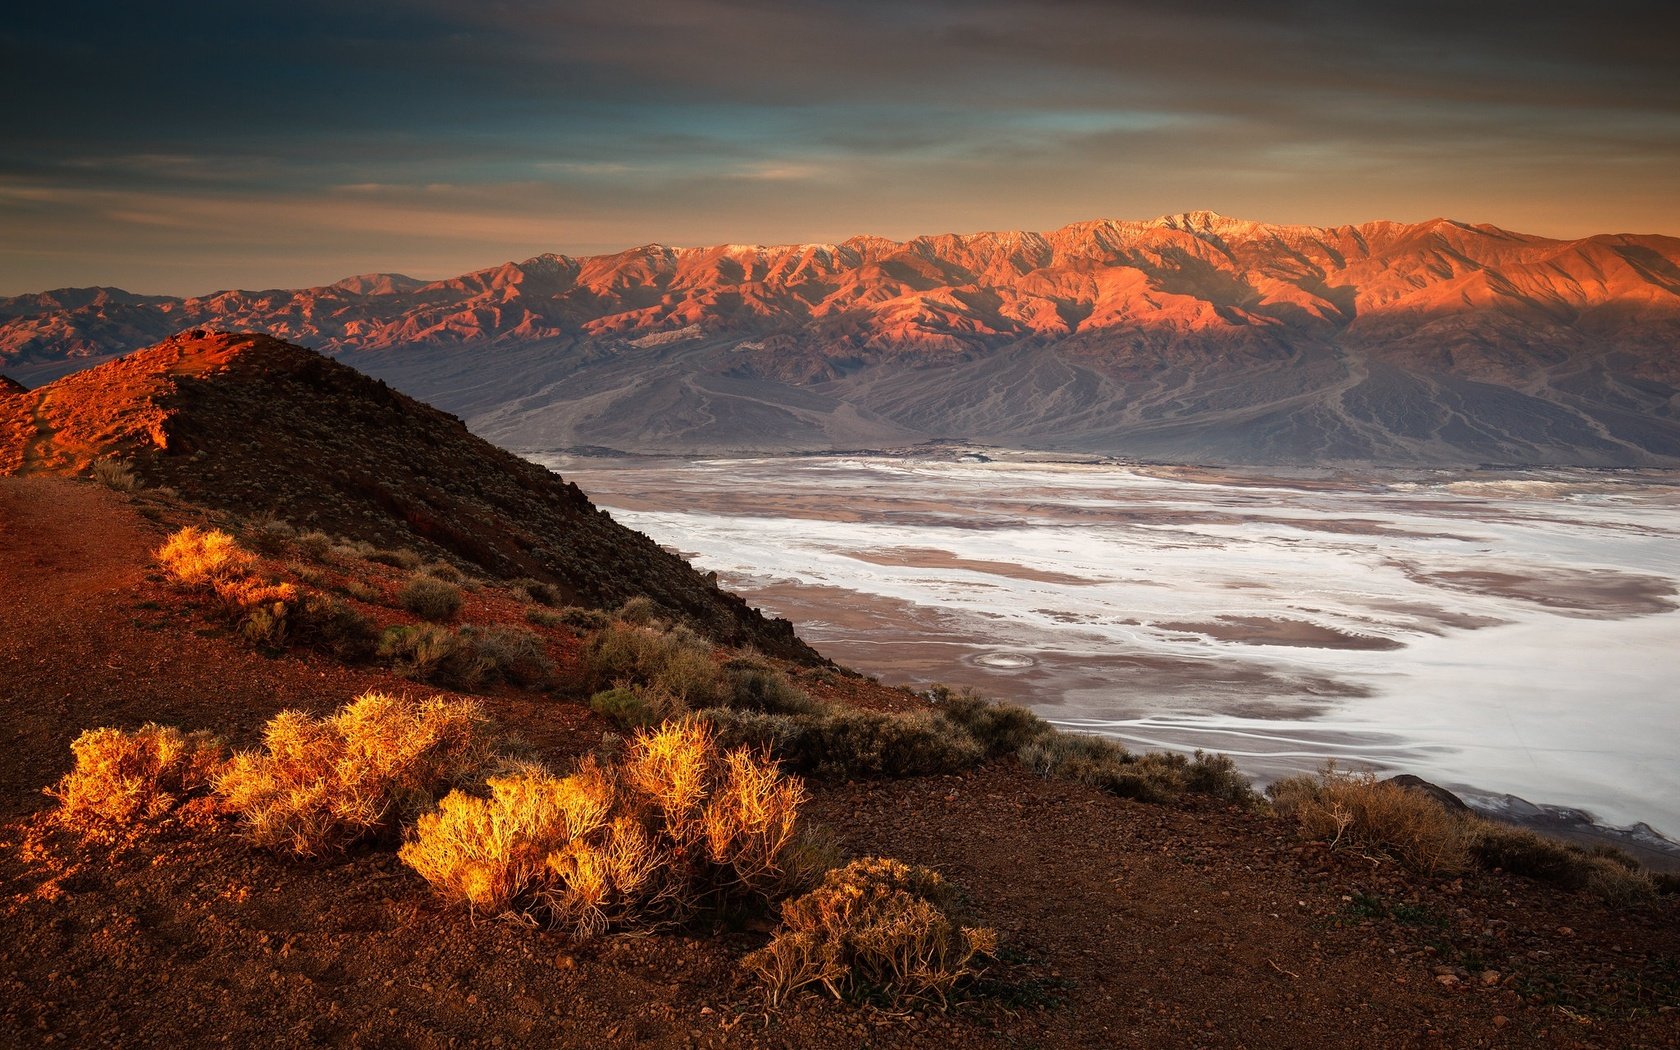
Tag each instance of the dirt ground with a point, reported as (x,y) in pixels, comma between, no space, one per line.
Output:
(1123,924)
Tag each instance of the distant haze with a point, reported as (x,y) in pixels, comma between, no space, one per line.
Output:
(206,146)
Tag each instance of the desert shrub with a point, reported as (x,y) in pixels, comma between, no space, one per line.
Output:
(1357,810)
(510,654)
(121,776)
(584,619)
(639,610)
(198,558)
(676,660)
(115,475)
(1611,875)
(679,825)
(428,652)
(327,625)
(430,598)
(268,533)
(314,544)
(543,617)
(636,706)
(537,591)
(356,774)
(361,591)
(1616,884)
(1002,729)
(351,550)
(307,574)
(1524,852)
(1218,775)
(752,685)
(402,558)
(444,571)
(876,928)
(845,743)
(1153,777)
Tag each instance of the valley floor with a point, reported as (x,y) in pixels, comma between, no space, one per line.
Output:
(1124,924)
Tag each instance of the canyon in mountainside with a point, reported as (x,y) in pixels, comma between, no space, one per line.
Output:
(1188,337)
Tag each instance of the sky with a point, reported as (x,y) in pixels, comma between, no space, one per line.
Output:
(192,146)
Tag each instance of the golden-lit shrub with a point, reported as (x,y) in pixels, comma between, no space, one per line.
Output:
(121,776)
(1358,811)
(194,557)
(874,927)
(678,826)
(492,853)
(328,783)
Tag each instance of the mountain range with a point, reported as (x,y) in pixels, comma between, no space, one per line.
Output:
(1190,337)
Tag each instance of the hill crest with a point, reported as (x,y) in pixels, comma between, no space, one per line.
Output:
(250,424)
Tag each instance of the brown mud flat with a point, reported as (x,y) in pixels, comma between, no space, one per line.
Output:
(848,627)
(1124,924)
(1593,595)
(933,558)
(1267,630)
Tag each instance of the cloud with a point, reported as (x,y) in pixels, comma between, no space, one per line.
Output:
(422,133)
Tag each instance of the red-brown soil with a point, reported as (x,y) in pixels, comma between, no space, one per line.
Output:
(1124,924)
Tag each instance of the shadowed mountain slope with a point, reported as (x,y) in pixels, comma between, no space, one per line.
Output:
(1188,336)
(251,424)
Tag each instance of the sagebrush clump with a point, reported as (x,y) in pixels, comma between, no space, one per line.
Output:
(324,784)
(198,558)
(637,706)
(269,614)
(848,743)
(468,657)
(1357,810)
(674,659)
(677,825)
(430,598)
(876,928)
(115,475)
(122,776)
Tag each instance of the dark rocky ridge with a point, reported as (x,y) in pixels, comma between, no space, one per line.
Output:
(251,424)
